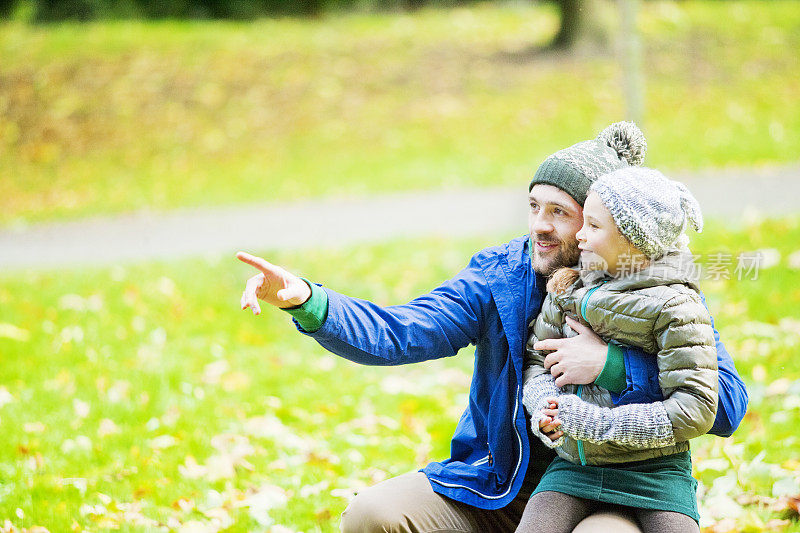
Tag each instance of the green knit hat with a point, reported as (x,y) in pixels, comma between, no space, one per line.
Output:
(574,169)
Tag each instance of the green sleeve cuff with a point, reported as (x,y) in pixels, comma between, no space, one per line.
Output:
(612,377)
(312,314)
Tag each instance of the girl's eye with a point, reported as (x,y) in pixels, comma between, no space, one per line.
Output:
(593,226)
(558,211)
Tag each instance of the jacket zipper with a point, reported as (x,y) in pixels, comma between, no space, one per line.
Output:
(513,476)
(581,453)
(484,460)
(584,303)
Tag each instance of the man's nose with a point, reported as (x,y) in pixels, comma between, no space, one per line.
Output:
(541,224)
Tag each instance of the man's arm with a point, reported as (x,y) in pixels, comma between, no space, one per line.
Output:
(732,392)
(434,325)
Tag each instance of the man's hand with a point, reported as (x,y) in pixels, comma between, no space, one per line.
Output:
(273,284)
(577,360)
(549,423)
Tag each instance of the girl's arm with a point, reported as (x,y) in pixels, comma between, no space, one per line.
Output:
(641,384)
(687,364)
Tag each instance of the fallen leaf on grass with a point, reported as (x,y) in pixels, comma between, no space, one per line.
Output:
(111,514)
(79,483)
(163,442)
(794,260)
(81,443)
(263,500)
(196,526)
(310,490)
(323,515)
(232,451)
(9,527)
(10,331)
(272,428)
(280,529)
(5,396)
(191,469)
(777,524)
(107,427)
(788,486)
(33,427)
(791,507)
(213,372)
(725,525)
(81,408)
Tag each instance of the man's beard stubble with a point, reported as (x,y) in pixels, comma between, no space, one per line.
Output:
(566,255)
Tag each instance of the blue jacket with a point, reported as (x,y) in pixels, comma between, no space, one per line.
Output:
(488,304)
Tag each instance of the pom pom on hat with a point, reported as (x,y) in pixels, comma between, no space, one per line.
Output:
(627,140)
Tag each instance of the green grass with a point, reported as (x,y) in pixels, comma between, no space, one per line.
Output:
(142,393)
(118,116)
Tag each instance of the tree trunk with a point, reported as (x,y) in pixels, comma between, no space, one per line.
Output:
(581,24)
(571,23)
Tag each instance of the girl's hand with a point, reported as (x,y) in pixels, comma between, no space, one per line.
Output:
(549,423)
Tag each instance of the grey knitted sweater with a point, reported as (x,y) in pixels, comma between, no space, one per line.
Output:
(657,309)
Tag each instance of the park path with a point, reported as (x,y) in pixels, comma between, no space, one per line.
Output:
(727,194)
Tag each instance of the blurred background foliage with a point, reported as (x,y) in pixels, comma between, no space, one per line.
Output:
(115,116)
(57,10)
(139,398)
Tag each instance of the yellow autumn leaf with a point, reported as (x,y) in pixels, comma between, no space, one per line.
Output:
(10,331)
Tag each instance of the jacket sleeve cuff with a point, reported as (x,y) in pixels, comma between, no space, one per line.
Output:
(311,315)
(612,377)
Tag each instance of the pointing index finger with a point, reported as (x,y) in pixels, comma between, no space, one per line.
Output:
(261,264)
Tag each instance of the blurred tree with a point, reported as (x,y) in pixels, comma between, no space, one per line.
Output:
(581,24)
(6,8)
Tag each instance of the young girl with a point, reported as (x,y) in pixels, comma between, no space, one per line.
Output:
(634,288)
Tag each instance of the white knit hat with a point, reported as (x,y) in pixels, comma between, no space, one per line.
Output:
(650,210)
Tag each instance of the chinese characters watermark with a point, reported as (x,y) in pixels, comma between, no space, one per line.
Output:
(717,266)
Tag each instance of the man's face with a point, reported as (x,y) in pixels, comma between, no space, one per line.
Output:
(553,220)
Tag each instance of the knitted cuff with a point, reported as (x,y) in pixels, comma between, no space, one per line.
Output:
(635,425)
(536,391)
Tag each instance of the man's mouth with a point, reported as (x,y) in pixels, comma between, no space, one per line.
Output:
(546,246)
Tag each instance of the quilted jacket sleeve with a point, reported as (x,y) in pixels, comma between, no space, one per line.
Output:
(546,325)
(687,365)
(538,383)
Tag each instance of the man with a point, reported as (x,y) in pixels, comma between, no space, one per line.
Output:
(494,464)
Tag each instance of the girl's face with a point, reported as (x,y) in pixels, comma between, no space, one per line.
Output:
(602,245)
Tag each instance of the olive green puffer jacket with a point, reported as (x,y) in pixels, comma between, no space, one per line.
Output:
(659,310)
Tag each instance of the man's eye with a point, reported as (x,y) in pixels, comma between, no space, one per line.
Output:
(593,226)
(534,207)
(558,211)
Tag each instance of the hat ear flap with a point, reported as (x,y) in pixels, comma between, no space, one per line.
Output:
(690,207)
